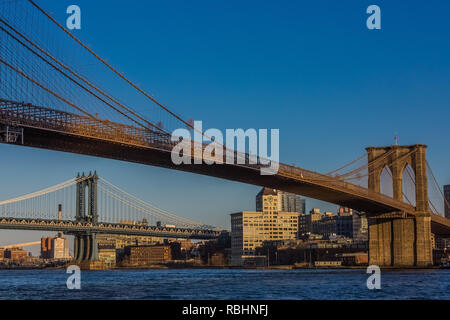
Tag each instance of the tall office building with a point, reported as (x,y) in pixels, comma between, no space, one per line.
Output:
(250,229)
(287,202)
(447,202)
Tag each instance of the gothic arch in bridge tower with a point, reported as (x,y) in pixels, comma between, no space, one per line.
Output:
(386,181)
(396,158)
(400,239)
(86,201)
(409,184)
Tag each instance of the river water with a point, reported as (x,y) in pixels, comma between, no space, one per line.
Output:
(225,284)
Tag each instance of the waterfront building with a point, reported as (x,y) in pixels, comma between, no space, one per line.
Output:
(121,241)
(55,247)
(250,229)
(347,223)
(185,244)
(314,248)
(108,255)
(352,224)
(447,201)
(326,226)
(312,220)
(344,225)
(360,227)
(303,226)
(146,255)
(15,254)
(327,263)
(111,247)
(224,239)
(354,258)
(2,254)
(218,259)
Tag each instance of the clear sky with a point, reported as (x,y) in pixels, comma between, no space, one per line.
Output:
(310,68)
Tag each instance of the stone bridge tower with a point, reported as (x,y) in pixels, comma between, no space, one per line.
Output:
(400,239)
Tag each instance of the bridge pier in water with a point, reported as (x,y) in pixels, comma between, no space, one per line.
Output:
(400,242)
(85,247)
(399,239)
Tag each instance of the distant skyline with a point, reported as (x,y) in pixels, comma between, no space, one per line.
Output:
(312,70)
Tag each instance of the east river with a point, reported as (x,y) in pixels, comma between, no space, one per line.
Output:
(225,284)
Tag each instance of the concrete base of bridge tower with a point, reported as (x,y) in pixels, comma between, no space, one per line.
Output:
(400,242)
(424,249)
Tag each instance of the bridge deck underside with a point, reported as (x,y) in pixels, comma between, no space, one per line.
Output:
(440,226)
(41,138)
(156,155)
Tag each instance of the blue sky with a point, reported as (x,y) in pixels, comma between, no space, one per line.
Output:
(310,68)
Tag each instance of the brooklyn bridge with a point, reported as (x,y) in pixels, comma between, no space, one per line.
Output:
(49,100)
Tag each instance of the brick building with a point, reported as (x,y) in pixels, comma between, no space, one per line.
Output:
(15,254)
(146,255)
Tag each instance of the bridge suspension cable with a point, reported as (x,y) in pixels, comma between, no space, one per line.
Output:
(436,192)
(30,60)
(405,196)
(355,174)
(147,209)
(347,164)
(76,75)
(47,89)
(114,205)
(42,192)
(188,124)
(148,96)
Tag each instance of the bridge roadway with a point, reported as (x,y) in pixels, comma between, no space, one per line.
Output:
(440,225)
(72,227)
(57,130)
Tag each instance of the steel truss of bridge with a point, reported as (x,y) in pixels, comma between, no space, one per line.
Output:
(73,227)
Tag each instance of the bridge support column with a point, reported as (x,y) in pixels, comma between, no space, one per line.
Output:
(424,251)
(403,243)
(400,242)
(380,242)
(396,239)
(79,248)
(85,247)
(93,249)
